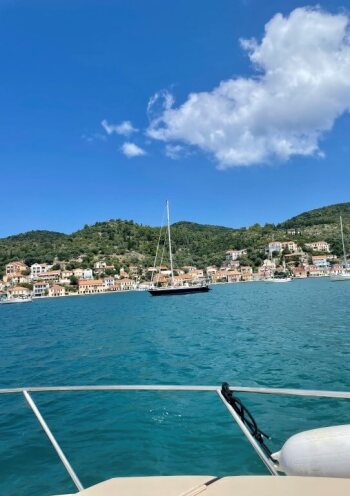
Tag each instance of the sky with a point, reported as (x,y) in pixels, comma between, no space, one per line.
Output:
(235,111)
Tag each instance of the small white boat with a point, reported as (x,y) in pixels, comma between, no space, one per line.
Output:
(8,301)
(279,279)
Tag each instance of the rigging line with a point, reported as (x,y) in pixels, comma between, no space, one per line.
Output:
(160,235)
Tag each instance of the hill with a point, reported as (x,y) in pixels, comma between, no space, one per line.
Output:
(320,216)
(125,242)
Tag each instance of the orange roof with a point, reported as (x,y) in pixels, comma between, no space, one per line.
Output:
(90,282)
(57,286)
(18,288)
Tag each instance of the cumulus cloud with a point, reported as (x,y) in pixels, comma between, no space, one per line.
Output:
(125,128)
(132,150)
(301,86)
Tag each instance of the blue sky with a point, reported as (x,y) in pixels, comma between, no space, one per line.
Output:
(66,66)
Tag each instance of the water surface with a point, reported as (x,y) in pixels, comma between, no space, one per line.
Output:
(289,335)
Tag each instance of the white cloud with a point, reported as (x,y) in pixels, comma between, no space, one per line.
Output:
(132,150)
(302,85)
(125,128)
(159,102)
(174,151)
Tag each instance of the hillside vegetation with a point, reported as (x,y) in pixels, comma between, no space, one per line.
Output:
(127,242)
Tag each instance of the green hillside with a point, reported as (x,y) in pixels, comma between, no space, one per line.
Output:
(125,242)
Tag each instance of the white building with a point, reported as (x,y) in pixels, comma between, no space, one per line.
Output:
(319,246)
(235,254)
(40,288)
(274,246)
(38,268)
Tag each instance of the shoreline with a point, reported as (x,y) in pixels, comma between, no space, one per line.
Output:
(144,290)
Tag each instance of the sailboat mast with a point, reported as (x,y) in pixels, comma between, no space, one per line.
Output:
(169,237)
(342,240)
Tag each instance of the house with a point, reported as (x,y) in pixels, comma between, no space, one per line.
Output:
(235,254)
(247,273)
(16,267)
(101,264)
(90,286)
(57,290)
(299,272)
(220,275)
(17,291)
(183,279)
(211,270)
(78,273)
(87,274)
(314,271)
(293,232)
(50,275)
(290,246)
(320,261)
(108,282)
(160,279)
(38,269)
(123,273)
(125,284)
(233,276)
(274,247)
(189,268)
(318,246)
(40,289)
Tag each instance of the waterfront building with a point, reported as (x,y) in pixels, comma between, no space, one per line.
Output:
(125,284)
(314,271)
(108,282)
(57,290)
(90,286)
(247,273)
(41,288)
(319,246)
(18,291)
(299,272)
(211,270)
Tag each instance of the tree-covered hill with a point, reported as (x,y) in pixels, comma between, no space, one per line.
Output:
(324,215)
(199,244)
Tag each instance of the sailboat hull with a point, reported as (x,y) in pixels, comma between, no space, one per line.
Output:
(178,290)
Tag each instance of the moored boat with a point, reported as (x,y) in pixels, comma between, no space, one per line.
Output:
(173,289)
(343,275)
(7,301)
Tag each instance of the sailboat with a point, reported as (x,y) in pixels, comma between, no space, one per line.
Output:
(173,289)
(344,275)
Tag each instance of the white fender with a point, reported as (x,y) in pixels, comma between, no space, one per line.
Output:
(318,453)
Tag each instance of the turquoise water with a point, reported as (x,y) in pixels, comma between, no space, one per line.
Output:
(288,335)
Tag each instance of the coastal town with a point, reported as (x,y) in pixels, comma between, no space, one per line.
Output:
(59,279)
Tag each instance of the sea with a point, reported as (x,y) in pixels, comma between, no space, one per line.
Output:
(294,335)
